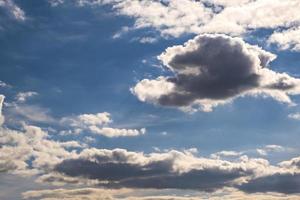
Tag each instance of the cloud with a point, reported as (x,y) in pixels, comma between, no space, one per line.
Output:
(293,163)
(23,96)
(166,170)
(13,9)
(73,194)
(214,69)
(125,194)
(18,147)
(295,116)
(147,40)
(4,85)
(175,18)
(221,154)
(33,113)
(172,169)
(238,19)
(288,39)
(283,183)
(98,124)
(97,119)
(1,105)
(31,151)
(227,3)
(170,18)
(270,148)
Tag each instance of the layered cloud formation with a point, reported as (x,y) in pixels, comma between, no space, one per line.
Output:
(31,151)
(215,69)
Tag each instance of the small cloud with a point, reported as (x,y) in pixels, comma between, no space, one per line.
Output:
(23,96)
(97,124)
(120,33)
(4,85)
(295,116)
(222,154)
(146,40)
(269,149)
(164,133)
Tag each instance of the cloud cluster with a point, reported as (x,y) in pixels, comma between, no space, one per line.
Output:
(31,151)
(214,69)
(97,124)
(19,147)
(238,19)
(174,18)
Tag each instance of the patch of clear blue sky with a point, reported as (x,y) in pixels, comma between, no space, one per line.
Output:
(68,56)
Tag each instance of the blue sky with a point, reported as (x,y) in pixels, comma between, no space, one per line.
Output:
(76,71)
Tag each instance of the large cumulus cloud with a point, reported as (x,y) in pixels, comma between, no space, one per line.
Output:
(210,70)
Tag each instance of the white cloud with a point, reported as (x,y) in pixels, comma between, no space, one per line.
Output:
(171,18)
(147,40)
(288,39)
(269,149)
(256,14)
(13,9)
(222,154)
(97,124)
(295,116)
(227,3)
(234,17)
(174,18)
(1,105)
(23,96)
(115,132)
(32,113)
(4,85)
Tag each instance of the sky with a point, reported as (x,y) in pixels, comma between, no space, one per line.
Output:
(149,99)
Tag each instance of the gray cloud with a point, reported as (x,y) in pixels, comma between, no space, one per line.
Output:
(215,69)
(282,183)
(153,175)
(174,169)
